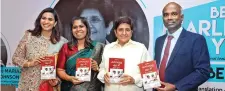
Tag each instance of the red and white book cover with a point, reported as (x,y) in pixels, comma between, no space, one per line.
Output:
(116,69)
(48,67)
(83,69)
(149,74)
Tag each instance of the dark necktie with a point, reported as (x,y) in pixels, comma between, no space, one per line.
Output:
(164,59)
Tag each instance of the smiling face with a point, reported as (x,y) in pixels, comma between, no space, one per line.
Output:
(123,33)
(96,23)
(79,30)
(172,17)
(47,21)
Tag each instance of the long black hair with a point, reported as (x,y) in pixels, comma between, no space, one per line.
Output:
(55,36)
(88,40)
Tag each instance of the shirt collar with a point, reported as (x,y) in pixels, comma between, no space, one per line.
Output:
(129,42)
(176,34)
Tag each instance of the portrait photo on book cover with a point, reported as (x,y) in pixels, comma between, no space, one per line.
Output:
(82,72)
(115,73)
(150,78)
(100,15)
(48,72)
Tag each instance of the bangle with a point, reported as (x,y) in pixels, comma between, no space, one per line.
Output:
(28,64)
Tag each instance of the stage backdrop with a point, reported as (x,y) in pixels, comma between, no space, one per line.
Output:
(205,17)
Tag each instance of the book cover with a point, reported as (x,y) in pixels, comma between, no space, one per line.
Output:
(48,67)
(116,69)
(149,73)
(83,69)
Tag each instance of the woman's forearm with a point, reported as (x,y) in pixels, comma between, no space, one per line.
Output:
(27,64)
(62,74)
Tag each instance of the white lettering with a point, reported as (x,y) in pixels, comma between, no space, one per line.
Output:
(218,44)
(191,27)
(206,29)
(214,12)
(214,33)
(222,12)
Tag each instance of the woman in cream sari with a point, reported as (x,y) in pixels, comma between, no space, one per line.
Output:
(81,46)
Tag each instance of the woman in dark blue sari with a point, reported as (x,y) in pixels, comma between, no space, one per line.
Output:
(80,46)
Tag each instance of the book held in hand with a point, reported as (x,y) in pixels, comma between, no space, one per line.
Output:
(116,69)
(83,69)
(48,67)
(149,73)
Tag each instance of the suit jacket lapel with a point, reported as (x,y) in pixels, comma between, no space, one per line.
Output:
(177,46)
(161,42)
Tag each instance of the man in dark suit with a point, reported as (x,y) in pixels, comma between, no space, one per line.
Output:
(182,57)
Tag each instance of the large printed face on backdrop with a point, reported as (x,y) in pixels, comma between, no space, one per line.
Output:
(96,23)
(47,21)
(108,11)
(79,30)
(172,17)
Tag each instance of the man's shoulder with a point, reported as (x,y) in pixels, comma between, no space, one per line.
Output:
(161,37)
(193,35)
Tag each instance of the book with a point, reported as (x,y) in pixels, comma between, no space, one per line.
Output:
(83,69)
(116,69)
(48,67)
(149,74)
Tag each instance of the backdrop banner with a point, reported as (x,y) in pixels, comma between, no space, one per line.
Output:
(205,17)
